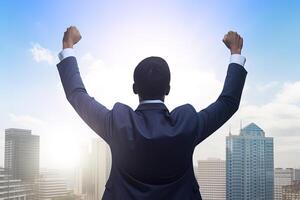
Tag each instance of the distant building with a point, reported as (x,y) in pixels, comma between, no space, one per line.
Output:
(249,165)
(78,181)
(13,189)
(297,175)
(291,192)
(50,185)
(284,177)
(211,177)
(22,150)
(93,172)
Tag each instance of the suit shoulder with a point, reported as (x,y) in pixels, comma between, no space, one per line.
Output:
(121,107)
(186,109)
(186,114)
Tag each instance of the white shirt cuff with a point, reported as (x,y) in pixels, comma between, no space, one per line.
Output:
(238,59)
(68,52)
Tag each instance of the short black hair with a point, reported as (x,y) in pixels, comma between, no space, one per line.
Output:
(152,78)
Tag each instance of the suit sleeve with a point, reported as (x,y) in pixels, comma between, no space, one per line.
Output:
(216,114)
(92,112)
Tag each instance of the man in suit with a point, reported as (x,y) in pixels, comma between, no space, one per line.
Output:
(151,147)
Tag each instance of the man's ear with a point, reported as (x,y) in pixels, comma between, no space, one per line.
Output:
(168,90)
(134,88)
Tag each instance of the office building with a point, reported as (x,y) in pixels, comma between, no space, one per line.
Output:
(93,173)
(249,165)
(211,177)
(50,185)
(13,189)
(21,156)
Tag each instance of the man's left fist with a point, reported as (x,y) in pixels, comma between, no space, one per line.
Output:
(71,37)
(234,42)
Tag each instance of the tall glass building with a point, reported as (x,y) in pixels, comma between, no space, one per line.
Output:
(249,165)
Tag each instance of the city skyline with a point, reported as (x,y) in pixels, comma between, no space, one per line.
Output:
(117,35)
(89,178)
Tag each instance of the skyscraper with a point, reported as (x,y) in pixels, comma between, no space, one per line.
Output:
(211,177)
(22,151)
(249,165)
(92,175)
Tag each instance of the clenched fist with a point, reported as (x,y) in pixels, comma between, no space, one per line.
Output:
(71,37)
(234,42)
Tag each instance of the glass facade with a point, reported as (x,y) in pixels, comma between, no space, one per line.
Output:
(249,165)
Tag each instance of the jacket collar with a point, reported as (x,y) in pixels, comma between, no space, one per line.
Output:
(152,106)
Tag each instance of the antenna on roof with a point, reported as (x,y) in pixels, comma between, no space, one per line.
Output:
(229,130)
(241,125)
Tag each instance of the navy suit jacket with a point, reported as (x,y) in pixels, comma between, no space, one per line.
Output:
(152,148)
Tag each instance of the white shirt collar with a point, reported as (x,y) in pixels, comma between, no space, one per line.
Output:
(151,101)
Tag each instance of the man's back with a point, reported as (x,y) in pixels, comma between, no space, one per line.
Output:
(152,152)
(151,147)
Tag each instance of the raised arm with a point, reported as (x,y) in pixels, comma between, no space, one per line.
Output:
(216,114)
(93,113)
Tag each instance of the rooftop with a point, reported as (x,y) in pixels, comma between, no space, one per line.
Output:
(252,130)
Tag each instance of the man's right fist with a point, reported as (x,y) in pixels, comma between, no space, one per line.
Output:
(234,42)
(71,37)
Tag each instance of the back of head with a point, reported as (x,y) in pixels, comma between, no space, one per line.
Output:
(152,78)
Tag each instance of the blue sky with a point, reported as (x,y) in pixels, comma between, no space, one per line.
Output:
(118,34)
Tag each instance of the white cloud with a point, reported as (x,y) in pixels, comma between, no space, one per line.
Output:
(41,54)
(290,93)
(268,86)
(278,119)
(281,116)
(26,121)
